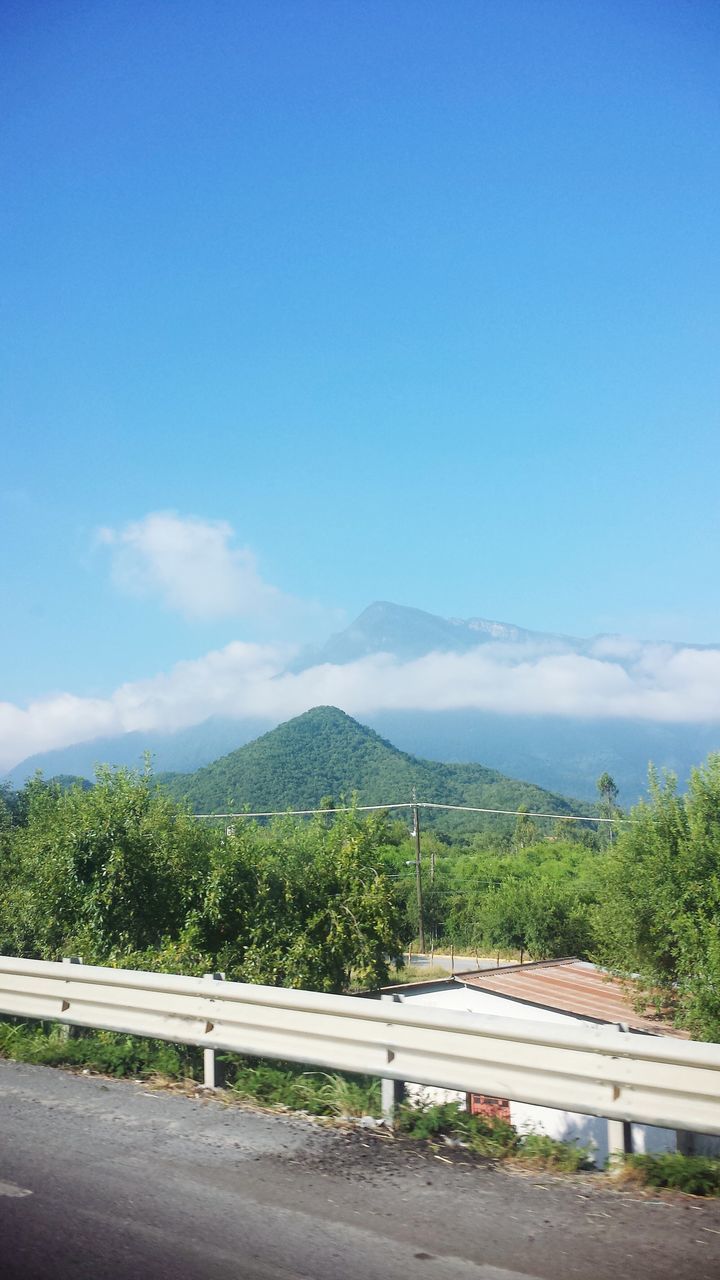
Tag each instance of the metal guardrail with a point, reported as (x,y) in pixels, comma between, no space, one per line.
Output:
(587,1068)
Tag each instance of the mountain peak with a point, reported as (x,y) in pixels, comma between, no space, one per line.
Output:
(410,633)
(324,752)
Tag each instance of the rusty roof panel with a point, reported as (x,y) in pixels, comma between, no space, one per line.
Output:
(569,986)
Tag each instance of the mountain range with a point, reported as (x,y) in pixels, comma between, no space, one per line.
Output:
(562,753)
(409,633)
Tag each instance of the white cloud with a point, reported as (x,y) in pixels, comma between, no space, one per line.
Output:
(191,565)
(652,682)
(620,647)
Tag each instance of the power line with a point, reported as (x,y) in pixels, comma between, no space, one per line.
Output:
(409,804)
(520,813)
(302,813)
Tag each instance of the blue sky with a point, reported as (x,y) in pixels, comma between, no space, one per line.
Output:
(418,300)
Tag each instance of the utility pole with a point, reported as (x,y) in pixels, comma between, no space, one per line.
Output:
(418,871)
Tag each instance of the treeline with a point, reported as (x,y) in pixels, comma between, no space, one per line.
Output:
(645,903)
(537,901)
(123,874)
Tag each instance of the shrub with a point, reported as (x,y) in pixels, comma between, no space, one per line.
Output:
(696,1175)
(491,1136)
(485,1135)
(107,1052)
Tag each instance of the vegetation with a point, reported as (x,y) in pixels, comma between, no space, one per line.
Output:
(122,875)
(658,912)
(696,1175)
(295,1088)
(326,753)
(270,1084)
(106,1052)
(537,901)
(608,791)
(403,973)
(490,1136)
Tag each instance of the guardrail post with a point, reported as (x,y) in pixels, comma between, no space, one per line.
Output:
(392,1092)
(65,1029)
(619,1138)
(209,1054)
(619,1132)
(685,1142)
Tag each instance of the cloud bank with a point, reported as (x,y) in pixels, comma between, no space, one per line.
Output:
(190,565)
(621,680)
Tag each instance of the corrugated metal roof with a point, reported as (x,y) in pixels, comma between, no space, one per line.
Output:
(568,986)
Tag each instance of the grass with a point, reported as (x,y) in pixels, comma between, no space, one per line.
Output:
(294,1088)
(695,1175)
(491,1137)
(538,1151)
(271,1084)
(106,1052)
(416,973)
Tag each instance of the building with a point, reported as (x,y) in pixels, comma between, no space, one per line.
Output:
(563,991)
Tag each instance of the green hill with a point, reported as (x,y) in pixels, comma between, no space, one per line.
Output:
(326,753)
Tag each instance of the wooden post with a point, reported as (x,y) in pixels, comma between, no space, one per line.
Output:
(418,875)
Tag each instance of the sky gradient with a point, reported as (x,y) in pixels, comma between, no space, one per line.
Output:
(405,300)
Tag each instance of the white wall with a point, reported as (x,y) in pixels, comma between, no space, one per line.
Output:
(563,1125)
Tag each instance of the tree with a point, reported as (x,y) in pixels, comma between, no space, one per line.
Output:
(608,799)
(526,831)
(538,916)
(302,904)
(122,874)
(659,915)
(103,873)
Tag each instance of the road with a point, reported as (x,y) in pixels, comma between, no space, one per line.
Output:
(106,1180)
(454,964)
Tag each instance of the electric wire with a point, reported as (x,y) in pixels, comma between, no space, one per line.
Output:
(414,804)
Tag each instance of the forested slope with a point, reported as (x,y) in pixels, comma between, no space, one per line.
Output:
(326,753)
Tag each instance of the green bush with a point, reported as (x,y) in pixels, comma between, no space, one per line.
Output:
(491,1136)
(696,1175)
(107,1052)
(484,1135)
(431,1121)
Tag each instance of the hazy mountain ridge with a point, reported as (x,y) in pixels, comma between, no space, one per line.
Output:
(410,633)
(179,752)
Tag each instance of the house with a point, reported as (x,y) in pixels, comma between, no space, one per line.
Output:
(563,991)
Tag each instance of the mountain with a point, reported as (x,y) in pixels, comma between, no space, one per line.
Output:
(563,753)
(326,753)
(566,755)
(411,633)
(178,752)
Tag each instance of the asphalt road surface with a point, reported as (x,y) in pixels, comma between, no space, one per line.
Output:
(105,1180)
(454,964)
